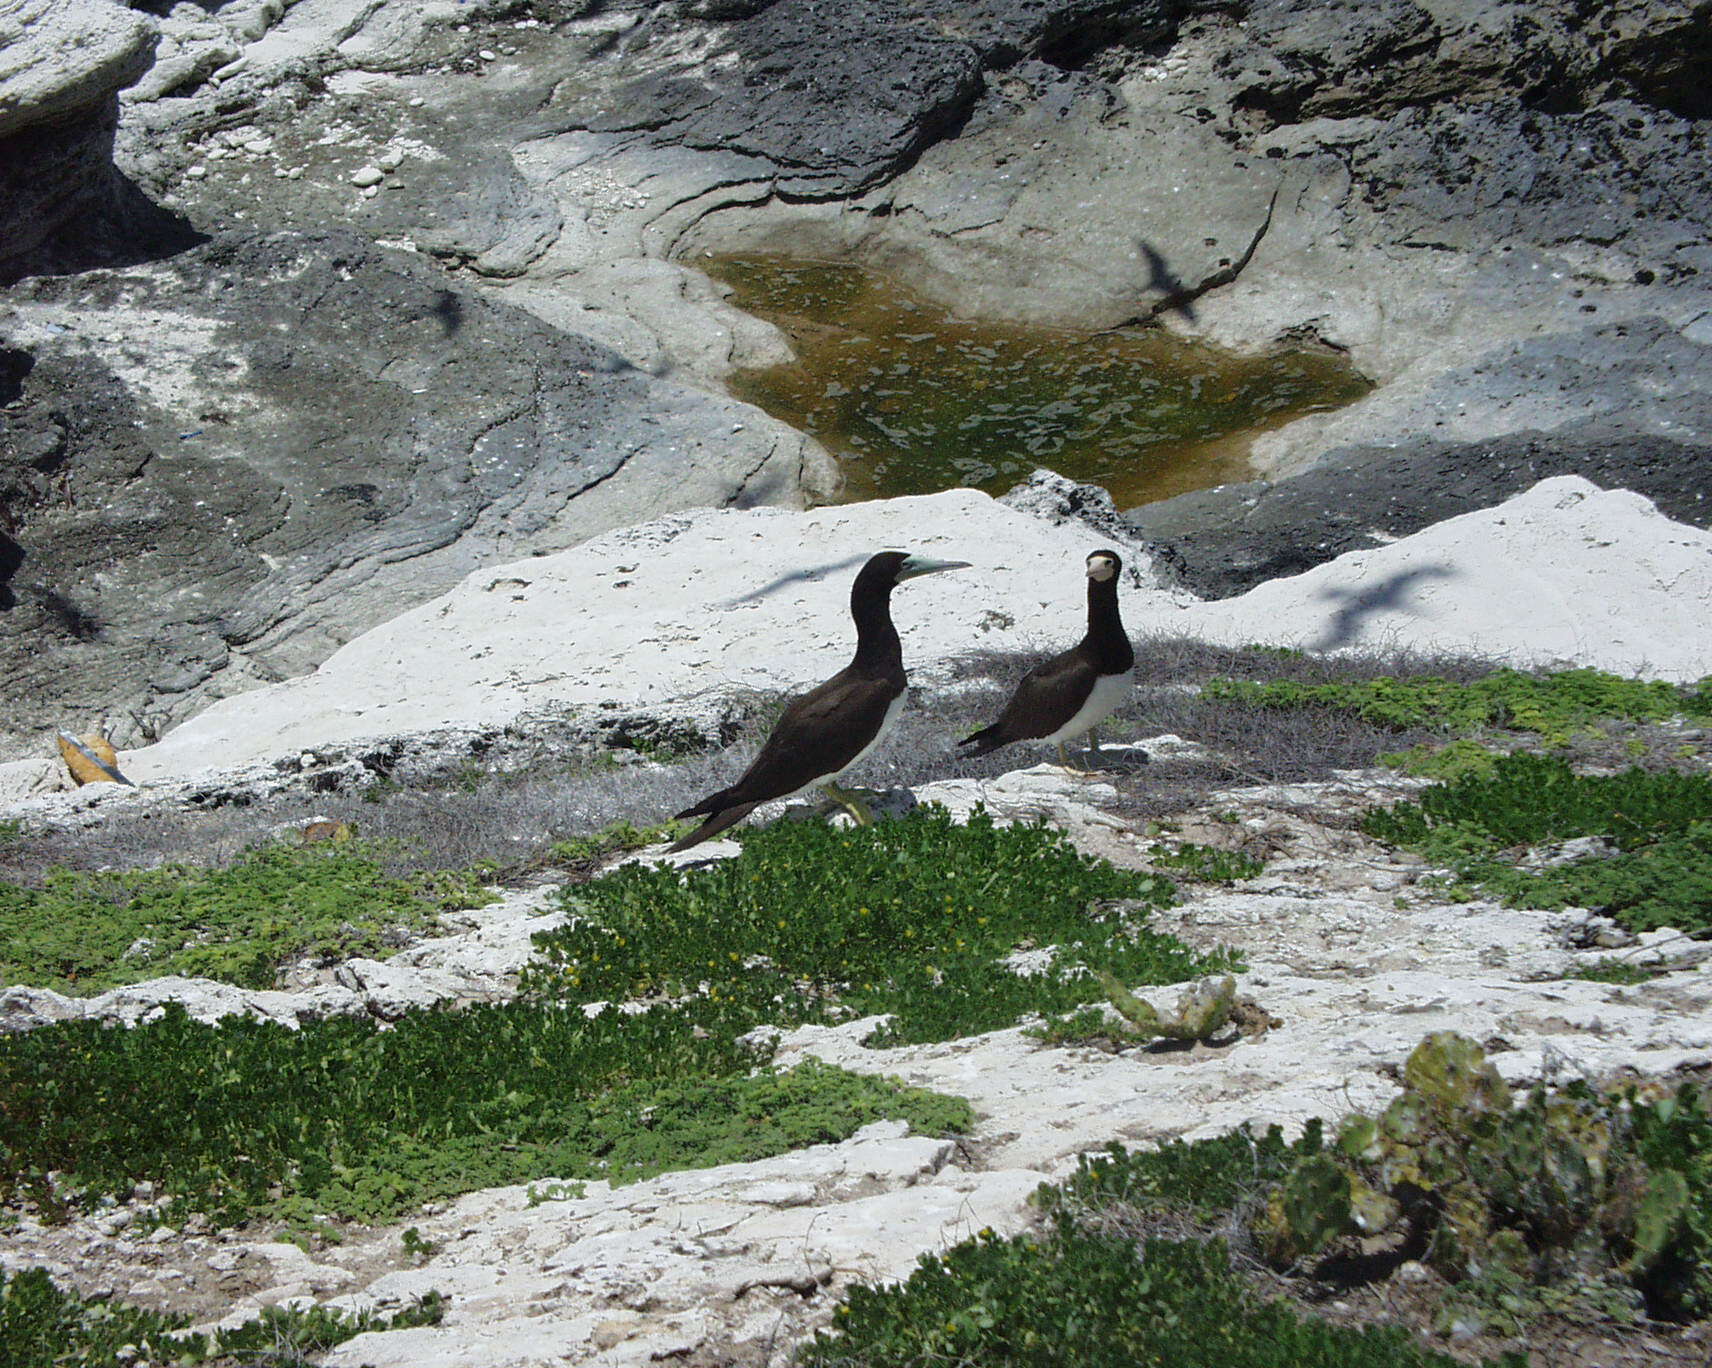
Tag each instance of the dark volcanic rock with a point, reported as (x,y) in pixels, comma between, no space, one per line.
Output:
(1307,59)
(215,471)
(1224,541)
(1622,172)
(840,96)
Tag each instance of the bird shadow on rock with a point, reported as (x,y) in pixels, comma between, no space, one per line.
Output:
(1358,602)
(1174,295)
(809,574)
(449,309)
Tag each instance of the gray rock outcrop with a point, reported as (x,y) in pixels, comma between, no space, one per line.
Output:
(1500,211)
(61,69)
(1224,541)
(220,468)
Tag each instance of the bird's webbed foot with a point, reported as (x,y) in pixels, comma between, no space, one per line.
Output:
(859,811)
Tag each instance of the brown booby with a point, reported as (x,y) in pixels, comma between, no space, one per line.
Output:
(831,728)
(1072,693)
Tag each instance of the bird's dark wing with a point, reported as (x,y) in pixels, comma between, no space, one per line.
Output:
(1046,698)
(818,734)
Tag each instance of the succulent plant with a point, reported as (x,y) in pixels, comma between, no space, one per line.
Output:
(1203,1009)
(1552,1192)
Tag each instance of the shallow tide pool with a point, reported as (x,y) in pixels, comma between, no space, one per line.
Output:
(913,400)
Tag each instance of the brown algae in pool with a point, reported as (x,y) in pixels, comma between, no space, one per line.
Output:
(914,400)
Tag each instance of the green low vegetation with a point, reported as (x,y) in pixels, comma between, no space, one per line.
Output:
(1206,864)
(85,932)
(613,839)
(44,1326)
(1574,1201)
(1449,761)
(1092,1298)
(1621,972)
(1659,826)
(912,917)
(343,1119)
(1552,706)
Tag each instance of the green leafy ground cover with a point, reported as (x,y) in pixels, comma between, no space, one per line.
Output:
(44,1326)
(612,839)
(1572,1201)
(1093,1299)
(85,932)
(248,1118)
(1659,823)
(911,916)
(1206,864)
(1552,706)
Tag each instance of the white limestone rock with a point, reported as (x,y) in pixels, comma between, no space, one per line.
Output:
(1562,574)
(717,602)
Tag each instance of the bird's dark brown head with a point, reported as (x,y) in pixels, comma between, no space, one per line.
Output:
(891,568)
(1104,565)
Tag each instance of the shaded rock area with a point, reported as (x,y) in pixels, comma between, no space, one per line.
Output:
(61,198)
(1225,541)
(220,468)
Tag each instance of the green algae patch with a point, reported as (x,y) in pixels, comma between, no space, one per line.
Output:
(914,400)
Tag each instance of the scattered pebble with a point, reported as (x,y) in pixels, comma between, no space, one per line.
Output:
(366,176)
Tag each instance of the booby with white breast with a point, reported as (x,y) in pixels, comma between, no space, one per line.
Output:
(833,727)
(1071,694)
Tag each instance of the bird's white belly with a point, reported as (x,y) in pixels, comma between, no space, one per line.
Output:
(893,708)
(1109,693)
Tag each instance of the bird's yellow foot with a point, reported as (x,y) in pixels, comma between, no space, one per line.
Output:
(1065,760)
(858,810)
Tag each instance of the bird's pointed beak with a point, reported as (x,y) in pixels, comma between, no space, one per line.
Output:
(923,565)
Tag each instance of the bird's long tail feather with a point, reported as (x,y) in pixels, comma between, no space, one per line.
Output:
(987,739)
(713,825)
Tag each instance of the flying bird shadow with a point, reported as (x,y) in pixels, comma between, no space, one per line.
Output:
(449,309)
(808,574)
(1174,294)
(1359,602)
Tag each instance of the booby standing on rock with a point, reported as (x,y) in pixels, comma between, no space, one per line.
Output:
(1074,692)
(831,728)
